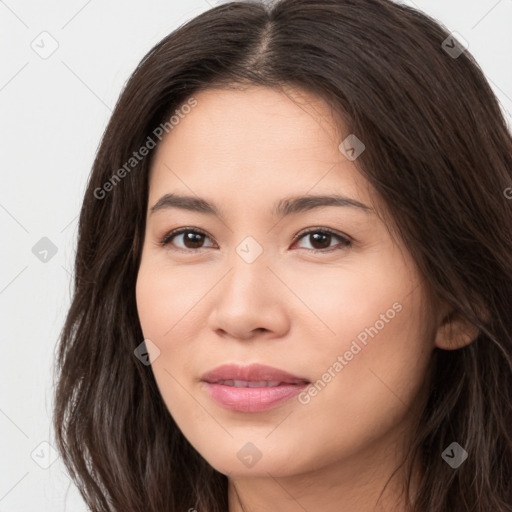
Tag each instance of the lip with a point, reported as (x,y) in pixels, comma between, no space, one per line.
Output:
(251,399)
(253,372)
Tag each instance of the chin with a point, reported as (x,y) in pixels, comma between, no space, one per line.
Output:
(248,461)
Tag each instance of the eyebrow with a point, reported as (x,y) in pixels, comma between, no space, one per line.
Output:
(281,208)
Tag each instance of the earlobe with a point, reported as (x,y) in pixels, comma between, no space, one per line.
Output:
(455,332)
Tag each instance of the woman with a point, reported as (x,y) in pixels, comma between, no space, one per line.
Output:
(293,279)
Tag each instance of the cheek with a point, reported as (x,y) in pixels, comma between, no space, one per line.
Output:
(150,302)
(165,307)
(377,364)
(374,358)
(367,303)
(165,299)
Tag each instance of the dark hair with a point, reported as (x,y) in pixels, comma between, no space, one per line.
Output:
(438,153)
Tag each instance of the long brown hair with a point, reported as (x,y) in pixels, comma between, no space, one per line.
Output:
(438,153)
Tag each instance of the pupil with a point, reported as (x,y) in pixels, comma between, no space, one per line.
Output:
(316,237)
(194,238)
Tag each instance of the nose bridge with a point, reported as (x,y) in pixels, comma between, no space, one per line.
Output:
(246,297)
(248,264)
(250,250)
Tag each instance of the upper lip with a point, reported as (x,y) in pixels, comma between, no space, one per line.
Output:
(253,372)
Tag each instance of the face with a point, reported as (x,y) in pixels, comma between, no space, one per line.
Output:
(318,290)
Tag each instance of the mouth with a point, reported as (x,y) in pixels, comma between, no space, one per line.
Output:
(250,383)
(253,388)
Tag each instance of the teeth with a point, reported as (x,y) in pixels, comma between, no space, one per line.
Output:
(250,384)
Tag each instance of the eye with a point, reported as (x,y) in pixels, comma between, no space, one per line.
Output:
(321,238)
(192,238)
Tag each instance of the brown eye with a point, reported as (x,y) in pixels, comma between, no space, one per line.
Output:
(191,238)
(320,240)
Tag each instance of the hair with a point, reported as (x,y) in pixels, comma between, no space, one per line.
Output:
(438,154)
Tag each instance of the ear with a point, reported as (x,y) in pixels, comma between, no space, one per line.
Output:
(454,332)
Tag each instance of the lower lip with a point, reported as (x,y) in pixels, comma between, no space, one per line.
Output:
(252,399)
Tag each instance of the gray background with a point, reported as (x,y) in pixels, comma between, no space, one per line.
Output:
(54,109)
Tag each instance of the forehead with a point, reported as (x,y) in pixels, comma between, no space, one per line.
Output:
(257,142)
(262,120)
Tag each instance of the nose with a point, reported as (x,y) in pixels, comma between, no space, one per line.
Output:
(250,301)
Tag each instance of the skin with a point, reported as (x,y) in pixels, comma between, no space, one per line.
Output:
(291,308)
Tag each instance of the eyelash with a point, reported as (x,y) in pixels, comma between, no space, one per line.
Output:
(345,241)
